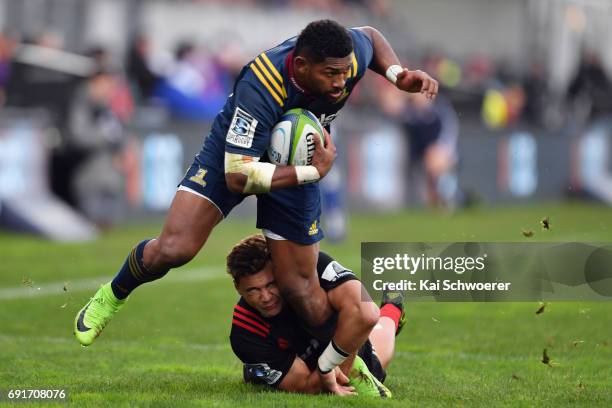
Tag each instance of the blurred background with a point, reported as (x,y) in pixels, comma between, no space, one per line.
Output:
(104,103)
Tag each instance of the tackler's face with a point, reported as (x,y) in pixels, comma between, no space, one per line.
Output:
(261,292)
(326,79)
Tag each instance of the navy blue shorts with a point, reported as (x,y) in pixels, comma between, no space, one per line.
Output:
(293,213)
(206,177)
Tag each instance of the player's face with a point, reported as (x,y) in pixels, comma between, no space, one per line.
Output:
(327,79)
(260,291)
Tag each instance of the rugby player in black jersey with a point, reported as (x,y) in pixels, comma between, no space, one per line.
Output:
(269,338)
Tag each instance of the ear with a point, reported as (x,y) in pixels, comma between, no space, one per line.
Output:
(301,64)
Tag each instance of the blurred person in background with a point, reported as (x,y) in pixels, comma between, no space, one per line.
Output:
(7,48)
(432,130)
(590,91)
(139,68)
(193,88)
(96,133)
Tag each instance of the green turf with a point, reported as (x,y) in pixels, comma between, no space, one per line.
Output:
(169,345)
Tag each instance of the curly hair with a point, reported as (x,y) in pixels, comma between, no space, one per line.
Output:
(247,257)
(324,39)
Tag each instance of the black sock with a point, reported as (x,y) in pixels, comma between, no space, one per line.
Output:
(133,273)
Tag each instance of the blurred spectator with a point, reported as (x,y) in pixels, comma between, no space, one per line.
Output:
(432,128)
(139,70)
(7,48)
(536,94)
(195,88)
(96,132)
(590,90)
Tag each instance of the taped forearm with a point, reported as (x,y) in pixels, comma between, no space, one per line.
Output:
(259,175)
(263,177)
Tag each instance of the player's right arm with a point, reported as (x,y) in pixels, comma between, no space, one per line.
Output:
(301,379)
(248,137)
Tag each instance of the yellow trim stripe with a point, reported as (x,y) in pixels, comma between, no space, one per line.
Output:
(272,68)
(271,80)
(136,272)
(355,66)
(263,81)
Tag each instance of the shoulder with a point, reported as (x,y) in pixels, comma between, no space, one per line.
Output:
(247,322)
(363,48)
(266,73)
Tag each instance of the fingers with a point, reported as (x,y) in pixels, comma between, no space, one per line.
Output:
(429,85)
(317,142)
(341,378)
(328,139)
(344,391)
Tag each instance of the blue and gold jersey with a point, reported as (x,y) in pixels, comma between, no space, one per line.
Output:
(265,89)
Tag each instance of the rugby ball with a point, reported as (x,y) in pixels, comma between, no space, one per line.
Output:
(292,141)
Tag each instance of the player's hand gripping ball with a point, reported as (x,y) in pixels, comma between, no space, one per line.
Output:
(292,141)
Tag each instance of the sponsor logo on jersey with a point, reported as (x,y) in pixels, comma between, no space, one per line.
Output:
(283,343)
(335,271)
(242,129)
(199,177)
(262,372)
(325,120)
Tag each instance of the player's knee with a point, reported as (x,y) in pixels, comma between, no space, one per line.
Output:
(173,252)
(363,314)
(369,314)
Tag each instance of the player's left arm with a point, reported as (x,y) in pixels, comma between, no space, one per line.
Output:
(386,63)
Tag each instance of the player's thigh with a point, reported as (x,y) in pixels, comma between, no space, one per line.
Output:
(295,265)
(201,202)
(189,222)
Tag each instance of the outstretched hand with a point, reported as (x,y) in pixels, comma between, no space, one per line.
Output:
(417,81)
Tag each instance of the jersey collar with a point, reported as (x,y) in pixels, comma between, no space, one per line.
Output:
(291,72)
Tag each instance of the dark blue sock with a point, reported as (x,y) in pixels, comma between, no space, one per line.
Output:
(133,273)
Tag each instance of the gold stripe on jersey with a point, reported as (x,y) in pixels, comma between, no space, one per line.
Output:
(262,68)
(354,68)
(262,79)
(275,72)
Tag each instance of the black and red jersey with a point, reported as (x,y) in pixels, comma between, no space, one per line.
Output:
(268,346)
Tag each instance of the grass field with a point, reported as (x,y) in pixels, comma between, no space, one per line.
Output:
(169,345)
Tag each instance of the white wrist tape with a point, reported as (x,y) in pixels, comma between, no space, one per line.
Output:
(332,357)
(392,72)
(307,174)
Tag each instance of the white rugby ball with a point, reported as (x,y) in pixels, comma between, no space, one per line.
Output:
(292,141)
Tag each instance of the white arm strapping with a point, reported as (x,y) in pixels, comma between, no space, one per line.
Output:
(259,175)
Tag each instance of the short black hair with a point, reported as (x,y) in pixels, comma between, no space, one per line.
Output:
(324,39)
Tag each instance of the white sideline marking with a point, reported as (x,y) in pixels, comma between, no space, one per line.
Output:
(56,288)
(72,341)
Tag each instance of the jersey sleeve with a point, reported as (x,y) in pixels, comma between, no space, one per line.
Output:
(256,112)
(331,273)
(364,52)
(264,362)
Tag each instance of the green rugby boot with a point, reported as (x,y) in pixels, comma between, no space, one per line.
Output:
(91,319)
(396,299)
(364,381)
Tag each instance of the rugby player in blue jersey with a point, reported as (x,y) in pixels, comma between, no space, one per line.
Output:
(317,71)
